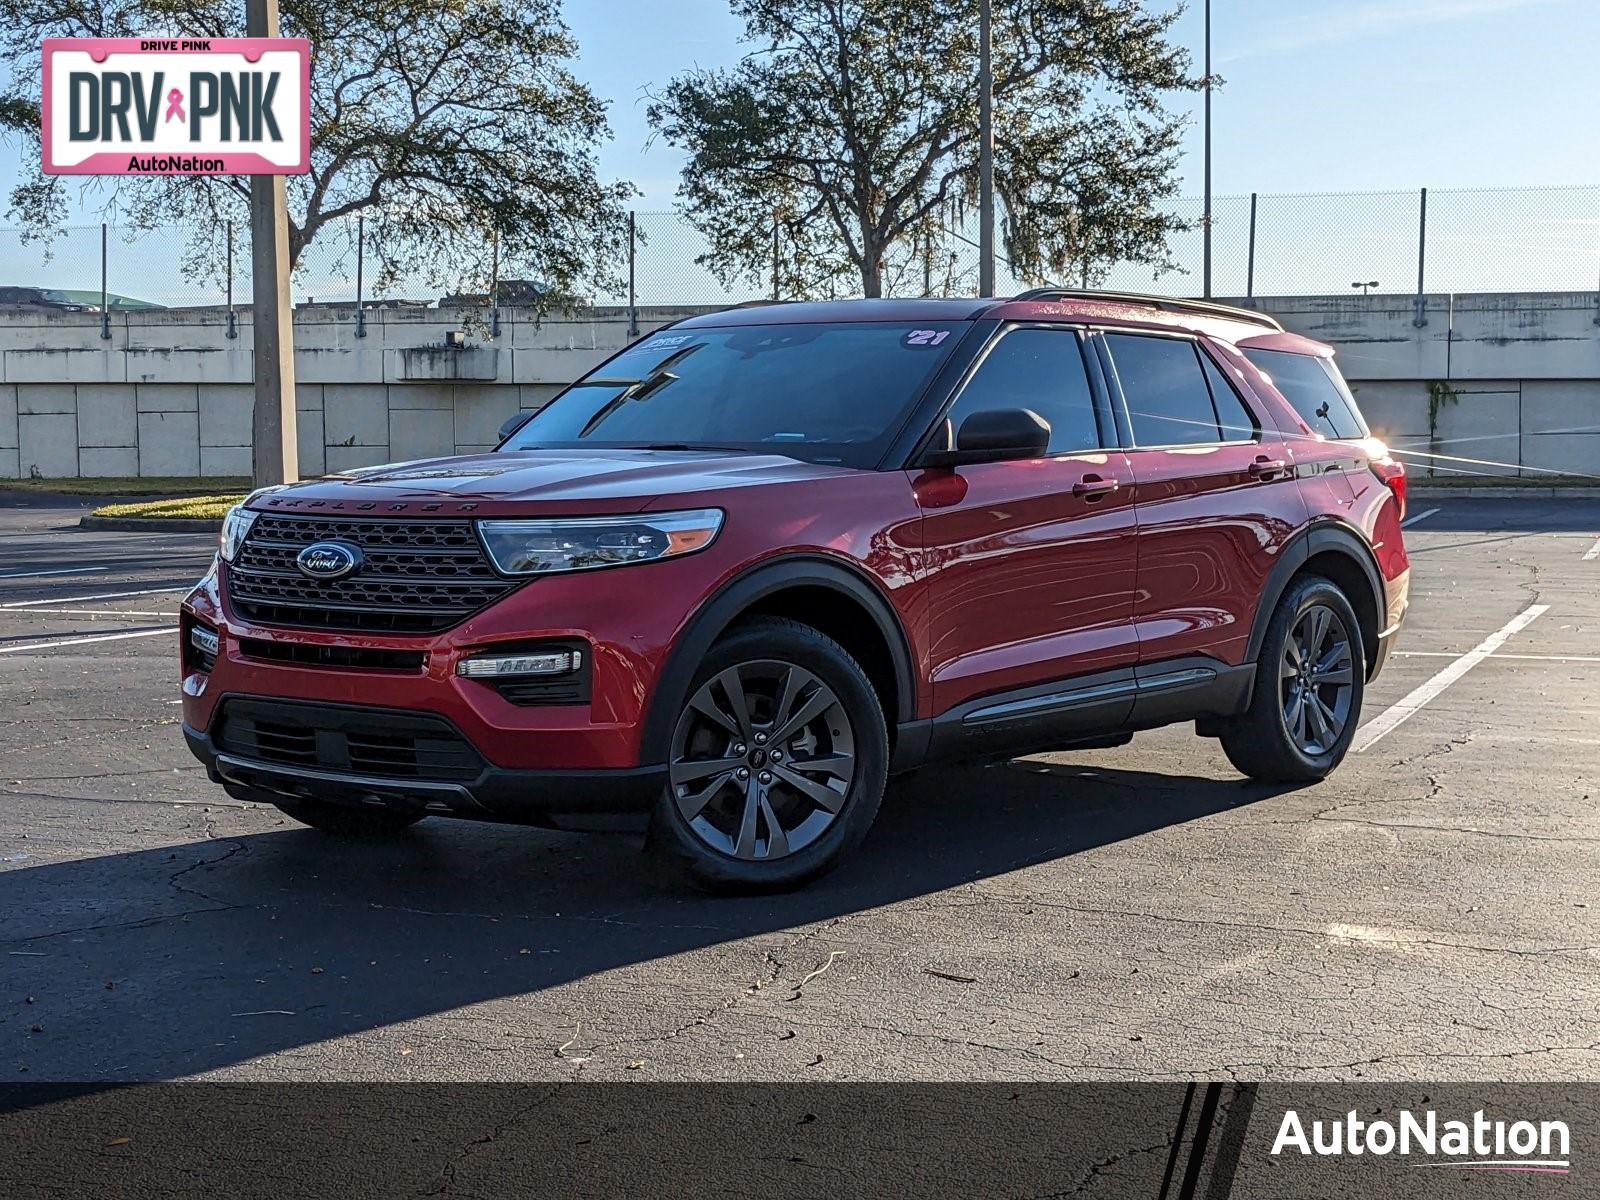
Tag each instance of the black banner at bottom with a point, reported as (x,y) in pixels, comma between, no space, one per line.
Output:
(1203,1141)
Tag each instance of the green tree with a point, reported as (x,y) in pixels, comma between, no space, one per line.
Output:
(852,126)
(453,126)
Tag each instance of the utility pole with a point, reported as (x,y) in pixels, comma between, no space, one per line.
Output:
(1205,220)
(985,149)
(276,456)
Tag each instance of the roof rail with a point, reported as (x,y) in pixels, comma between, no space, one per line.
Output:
(1164,303)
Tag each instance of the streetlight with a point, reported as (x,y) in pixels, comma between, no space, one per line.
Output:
(985,150)
(1364,286)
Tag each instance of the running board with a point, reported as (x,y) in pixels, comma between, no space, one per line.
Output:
(1079,697)
(1106,707)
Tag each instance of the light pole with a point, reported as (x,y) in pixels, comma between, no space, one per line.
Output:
(275,455)
(985,150)
(1364,286)
(1205,219)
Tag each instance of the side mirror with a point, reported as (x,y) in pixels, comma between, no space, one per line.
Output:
(513,423)
(995,435)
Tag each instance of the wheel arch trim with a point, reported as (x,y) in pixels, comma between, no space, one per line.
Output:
(718,613)
(1323,537)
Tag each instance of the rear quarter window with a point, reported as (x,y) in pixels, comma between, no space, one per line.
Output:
(1312,385)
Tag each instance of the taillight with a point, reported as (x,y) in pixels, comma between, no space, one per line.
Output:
(1393,474)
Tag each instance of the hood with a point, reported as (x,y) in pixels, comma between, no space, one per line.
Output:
(566,480)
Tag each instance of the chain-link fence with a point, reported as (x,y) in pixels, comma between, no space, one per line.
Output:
(1512,239)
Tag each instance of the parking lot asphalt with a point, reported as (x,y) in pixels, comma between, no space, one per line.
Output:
(1140,913)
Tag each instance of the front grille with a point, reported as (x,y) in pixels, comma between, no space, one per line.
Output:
(360,657)
(385,743)
(416,577)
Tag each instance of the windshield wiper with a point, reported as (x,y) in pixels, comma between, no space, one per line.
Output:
(603,381)
(691,446)
(638,389)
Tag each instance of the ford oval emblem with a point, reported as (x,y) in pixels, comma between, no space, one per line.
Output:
(328,560)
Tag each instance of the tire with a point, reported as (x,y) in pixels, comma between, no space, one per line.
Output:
(1302,713)
(348,822)
(746,806)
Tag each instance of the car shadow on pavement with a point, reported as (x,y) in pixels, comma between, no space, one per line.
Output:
(190,958)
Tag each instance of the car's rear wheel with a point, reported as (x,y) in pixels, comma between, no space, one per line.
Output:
(777,764)
(1306,701)
(346,821)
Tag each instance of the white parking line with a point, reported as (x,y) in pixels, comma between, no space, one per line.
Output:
(1559,658)
(91,612)
(1398,713)
(60,571)
(84,641)
(1421,516)
(42,600)
(1592,553)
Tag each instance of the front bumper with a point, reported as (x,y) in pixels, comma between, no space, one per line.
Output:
(625,643)
(561,799)
(570,764)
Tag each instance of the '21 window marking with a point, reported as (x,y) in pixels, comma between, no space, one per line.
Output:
(926,337)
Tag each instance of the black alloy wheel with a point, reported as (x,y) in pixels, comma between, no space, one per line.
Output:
(777,762)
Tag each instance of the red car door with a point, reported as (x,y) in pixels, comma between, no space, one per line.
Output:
(1031,563)
(1214,495)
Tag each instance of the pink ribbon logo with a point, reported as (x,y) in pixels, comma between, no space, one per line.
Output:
(175,105)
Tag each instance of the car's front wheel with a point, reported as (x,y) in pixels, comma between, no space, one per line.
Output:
(778,761)
(1310,678)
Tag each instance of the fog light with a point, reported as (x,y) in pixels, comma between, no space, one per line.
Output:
(502,666)
(204,640)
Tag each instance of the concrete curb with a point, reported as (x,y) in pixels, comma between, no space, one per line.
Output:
(1504,492)
(151,524)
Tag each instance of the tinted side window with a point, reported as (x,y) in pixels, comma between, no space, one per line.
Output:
(1162,381)
(1237,423)
(1311,386)
(1041,370)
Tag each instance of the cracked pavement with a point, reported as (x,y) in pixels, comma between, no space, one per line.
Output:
(1137,913)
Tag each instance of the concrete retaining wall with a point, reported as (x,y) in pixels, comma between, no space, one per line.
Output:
(1521,374)
(169,393)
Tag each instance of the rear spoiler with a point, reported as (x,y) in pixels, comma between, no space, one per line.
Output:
(1293,343)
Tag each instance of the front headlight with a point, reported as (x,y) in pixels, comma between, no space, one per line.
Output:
(234,526)
(238,521)
(584,543)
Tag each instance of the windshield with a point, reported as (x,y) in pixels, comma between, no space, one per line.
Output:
(827,393)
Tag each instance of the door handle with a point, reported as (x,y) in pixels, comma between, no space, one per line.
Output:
(1093,487)
(1267,468)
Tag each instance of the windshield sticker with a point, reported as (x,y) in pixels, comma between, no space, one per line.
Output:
(926,337)
(666,342)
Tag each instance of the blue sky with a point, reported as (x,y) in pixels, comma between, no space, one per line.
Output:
(1320,95)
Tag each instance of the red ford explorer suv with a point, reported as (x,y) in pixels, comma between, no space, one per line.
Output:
(762,560)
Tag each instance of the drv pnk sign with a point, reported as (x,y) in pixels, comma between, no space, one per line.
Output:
(177,106)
